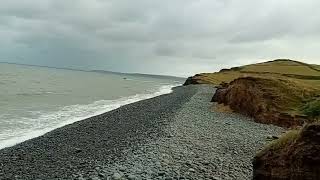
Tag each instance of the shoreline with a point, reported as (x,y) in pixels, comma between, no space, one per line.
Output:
(172,136)
(165,89)
(56,154)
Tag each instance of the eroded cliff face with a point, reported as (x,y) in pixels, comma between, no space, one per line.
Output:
(262,99)
(191,80)
(298,159)
(196,79)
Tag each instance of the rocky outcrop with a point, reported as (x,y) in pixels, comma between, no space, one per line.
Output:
(297,159)
(261,99)
(191,80)
(196,79)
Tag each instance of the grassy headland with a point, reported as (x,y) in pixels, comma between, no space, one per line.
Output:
(279,87)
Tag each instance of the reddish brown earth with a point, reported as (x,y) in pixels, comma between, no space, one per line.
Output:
(297,160)
(259,98)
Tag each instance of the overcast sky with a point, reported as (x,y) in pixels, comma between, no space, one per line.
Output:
(176,37)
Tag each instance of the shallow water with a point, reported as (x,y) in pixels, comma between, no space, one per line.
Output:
(35,100)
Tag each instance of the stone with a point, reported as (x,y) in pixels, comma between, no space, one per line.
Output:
(189,163)
(116,176)
(271,137)
(235,152)
(161,173)
(206,163)
(101,175)
(78,150)
(215,178)
(131,177)
(170,135)
(94,178)
(202,169)
(122,168)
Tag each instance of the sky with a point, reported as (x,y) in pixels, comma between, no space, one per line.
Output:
(171,37)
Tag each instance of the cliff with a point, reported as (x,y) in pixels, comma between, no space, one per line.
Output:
(275,92)
(294,156)
(267,100)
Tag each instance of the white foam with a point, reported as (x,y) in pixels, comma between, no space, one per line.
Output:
(70,114)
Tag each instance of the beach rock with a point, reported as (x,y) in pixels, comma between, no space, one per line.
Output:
(215,178)
(131,177)
(78,150)
(271,137)
(116,176)
(101,175)
(122,168)
(299,159)
(161,173)
(192,170)
(94,178)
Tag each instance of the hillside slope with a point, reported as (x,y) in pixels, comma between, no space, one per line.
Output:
(276,92)
(267,100)
(301,72)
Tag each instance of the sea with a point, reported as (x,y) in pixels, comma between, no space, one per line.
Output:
(35,100)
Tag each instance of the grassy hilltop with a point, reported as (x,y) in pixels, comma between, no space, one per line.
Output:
(281,86)
(306,74)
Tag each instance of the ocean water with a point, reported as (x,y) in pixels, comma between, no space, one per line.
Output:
(35,100)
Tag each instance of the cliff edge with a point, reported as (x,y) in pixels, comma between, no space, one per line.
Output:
(267,100)
(294,156)
(276,92)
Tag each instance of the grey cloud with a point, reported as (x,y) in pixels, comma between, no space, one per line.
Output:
(178,37)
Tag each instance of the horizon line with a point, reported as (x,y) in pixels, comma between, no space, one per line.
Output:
(92,70)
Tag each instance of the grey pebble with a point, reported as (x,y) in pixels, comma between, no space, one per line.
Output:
(116,176)
(131,177)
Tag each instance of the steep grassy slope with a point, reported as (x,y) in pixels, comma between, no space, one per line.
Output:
(283,67)
(276,88)
(316,67)
(302,72)
(268,100)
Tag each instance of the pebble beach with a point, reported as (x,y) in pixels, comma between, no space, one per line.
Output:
(172,136)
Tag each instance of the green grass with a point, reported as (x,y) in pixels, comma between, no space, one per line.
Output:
(276,68)
(283,67)
(292,83)
(312,109)
(285,140)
